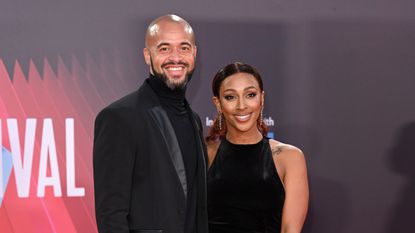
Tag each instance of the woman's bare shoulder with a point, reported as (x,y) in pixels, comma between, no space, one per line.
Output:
(281,149)
(287,158)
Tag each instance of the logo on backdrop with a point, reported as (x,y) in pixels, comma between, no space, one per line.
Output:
(21,161)
(268,121)
(47,108)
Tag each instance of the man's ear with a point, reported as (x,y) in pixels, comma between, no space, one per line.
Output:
(147,57)
(195,51)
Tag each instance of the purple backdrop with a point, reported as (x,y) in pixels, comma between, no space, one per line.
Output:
(339,79)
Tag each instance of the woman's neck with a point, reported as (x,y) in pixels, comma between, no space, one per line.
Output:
(237,137)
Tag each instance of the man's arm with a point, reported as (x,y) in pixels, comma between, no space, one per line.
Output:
(113,160)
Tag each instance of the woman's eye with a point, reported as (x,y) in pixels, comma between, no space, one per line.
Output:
(251,95)
(228,97)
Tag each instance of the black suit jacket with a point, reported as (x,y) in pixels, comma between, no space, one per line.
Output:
(139,174)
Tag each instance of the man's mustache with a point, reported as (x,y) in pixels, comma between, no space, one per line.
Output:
(175,63)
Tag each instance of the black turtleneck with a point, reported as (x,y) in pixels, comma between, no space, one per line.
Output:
(175,104)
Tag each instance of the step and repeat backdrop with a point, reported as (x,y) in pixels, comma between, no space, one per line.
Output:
(339,80)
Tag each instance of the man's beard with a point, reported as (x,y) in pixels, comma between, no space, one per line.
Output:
(170,83)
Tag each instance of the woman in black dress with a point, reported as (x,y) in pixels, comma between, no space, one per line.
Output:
(255,184)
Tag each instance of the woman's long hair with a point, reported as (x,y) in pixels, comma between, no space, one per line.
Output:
(218,130)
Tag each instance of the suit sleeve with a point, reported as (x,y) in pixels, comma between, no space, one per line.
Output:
(113,159)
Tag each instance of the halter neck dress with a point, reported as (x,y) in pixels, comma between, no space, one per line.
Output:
(245,193)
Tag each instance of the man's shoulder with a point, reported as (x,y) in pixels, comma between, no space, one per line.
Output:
(119,108)
(197,118)
(126,101)
(137,100)
(133,99)
(196,115)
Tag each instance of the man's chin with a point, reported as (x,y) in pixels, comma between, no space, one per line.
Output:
(176,79)
(175,83)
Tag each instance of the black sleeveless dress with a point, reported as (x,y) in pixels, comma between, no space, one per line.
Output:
(245,193)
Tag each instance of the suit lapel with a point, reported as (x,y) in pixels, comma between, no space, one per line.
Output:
(169,137)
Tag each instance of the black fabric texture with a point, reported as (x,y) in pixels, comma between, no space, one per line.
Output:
(179,113)
(245,193)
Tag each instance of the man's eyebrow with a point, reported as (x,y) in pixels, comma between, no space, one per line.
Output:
(167,44)
(162,44)
(186,43)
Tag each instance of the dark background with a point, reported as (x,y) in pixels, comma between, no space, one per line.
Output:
(339,79)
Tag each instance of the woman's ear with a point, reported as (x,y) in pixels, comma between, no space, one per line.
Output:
(216,102)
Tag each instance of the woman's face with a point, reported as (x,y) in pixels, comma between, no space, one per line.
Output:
(240,100)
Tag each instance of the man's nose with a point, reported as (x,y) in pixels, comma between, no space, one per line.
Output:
(175,55)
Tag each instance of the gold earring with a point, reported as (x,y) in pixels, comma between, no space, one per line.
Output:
(260,119)
(220,121)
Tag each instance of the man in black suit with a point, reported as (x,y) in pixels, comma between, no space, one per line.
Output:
(149,154)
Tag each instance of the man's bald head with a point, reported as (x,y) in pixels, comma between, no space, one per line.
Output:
(170,51)
(157,25)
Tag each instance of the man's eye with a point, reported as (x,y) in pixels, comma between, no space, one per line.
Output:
(164,49)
